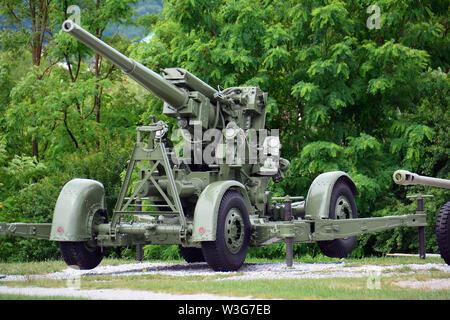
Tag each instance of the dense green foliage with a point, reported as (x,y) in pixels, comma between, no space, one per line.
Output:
(344,96)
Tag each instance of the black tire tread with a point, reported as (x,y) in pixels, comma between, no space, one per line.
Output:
(213,251)
(339,248)
(75,254)
(192,255)
(443,232)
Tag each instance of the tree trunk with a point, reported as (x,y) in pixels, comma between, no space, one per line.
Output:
(35,148)
(39,16)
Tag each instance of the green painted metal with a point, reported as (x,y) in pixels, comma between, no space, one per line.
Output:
(343,208)
(207,208)
(319,193)
(406,178)
(77,204)
(155,165)
(234,230)
(309,231)
(31,230)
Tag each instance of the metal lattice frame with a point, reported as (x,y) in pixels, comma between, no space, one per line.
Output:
(156,154)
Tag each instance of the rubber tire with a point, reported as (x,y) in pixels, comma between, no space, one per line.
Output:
(216,253)
(192,255)
(339,248)
(443,232)
(76,255)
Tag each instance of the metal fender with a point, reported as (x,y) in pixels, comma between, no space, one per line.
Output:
(319,193)
(207,208)
(78,201)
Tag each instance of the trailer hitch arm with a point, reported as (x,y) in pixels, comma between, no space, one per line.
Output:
(30,230)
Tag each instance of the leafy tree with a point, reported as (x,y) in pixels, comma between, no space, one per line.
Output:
(60,88)
(52,101)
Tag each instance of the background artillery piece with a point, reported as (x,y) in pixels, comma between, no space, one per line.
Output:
(406,178)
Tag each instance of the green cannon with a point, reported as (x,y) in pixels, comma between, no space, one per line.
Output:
(204,188)
(406,178)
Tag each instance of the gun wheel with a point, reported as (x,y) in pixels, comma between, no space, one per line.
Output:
(342,206)
(229,250)
(192,255)
(83,255)
(443,232)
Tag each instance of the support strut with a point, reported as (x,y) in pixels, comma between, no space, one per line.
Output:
(420,210)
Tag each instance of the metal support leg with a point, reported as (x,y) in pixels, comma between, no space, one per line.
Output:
(421,230)
(420,210)
(422,250)
(139,247)
(139,252)
(289,240)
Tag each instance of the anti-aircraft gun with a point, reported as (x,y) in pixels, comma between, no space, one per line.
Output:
(211,199)
(406,178)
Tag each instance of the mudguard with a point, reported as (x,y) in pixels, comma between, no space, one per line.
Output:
(319,193)
(77,203)
(207,208)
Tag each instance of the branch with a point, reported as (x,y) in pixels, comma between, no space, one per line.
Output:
(46,69)
(69,66)
(109,72)
(33,16)
(78,67)
(43,26)
(14,15)
(46,143)
(90,112)
(68,130)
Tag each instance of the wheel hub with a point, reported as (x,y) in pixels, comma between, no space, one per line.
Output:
(234,230)
(343,209)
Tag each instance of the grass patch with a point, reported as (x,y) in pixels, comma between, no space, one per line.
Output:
(387,261)
(292,289)
(30,268)
(354,262)
(44,267)
(25,297)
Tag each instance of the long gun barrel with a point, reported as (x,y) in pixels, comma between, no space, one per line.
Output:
(407,178)
(149,79)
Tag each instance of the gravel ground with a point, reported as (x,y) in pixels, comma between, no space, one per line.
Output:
(112,294)
(249,271)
